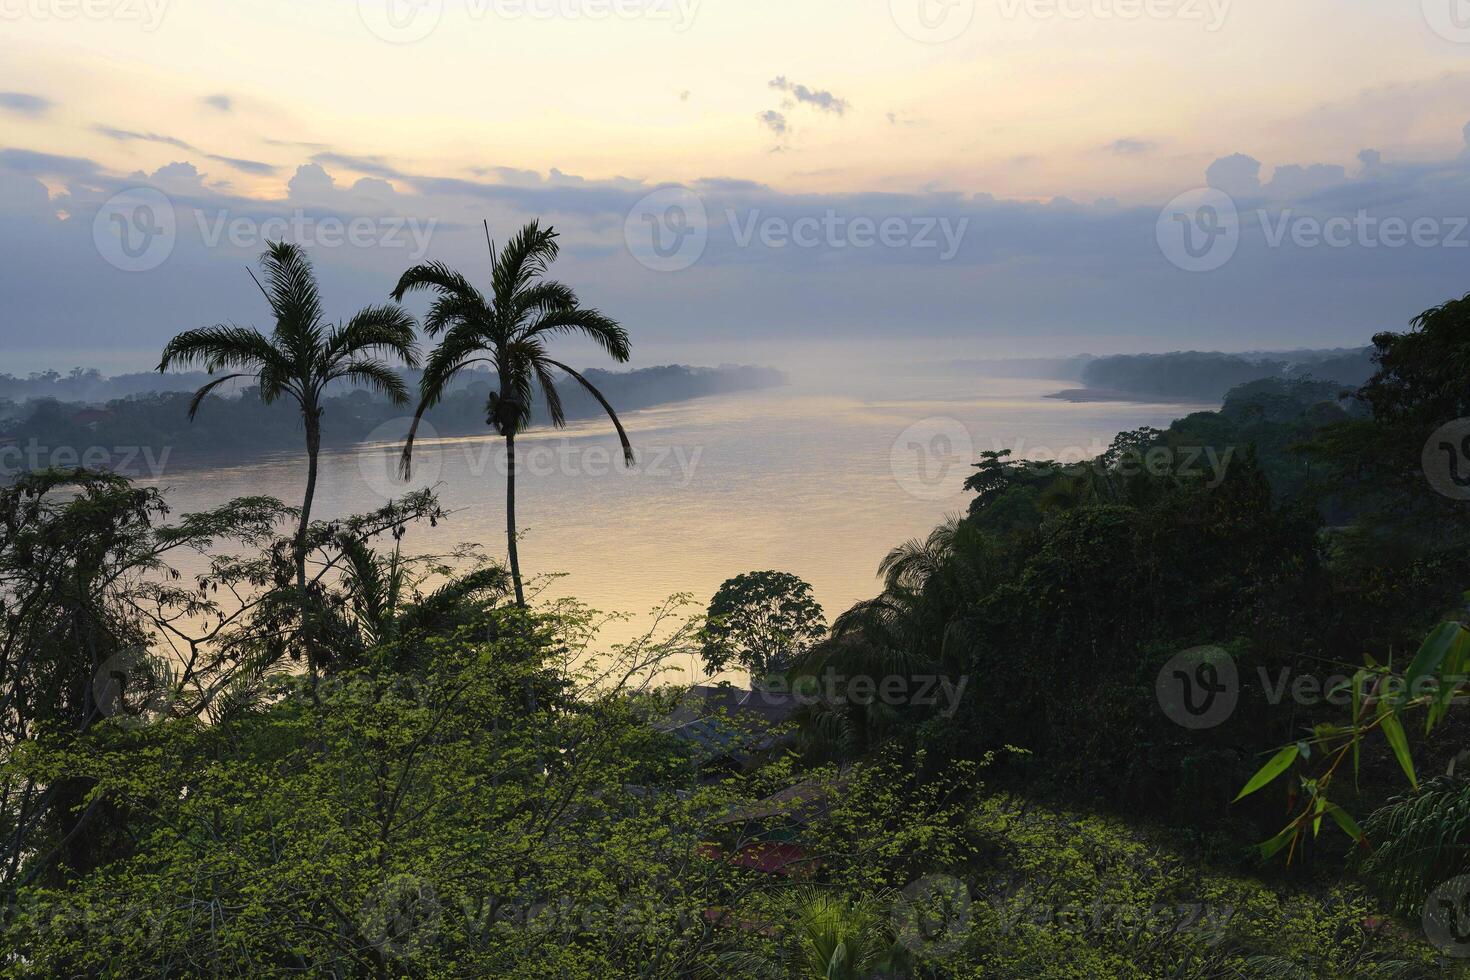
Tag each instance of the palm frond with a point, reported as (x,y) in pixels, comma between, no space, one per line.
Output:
(1420,840)
(375,375)
(375,330)
(606,407)
(204,392)
(554,407)
(293,294)
(602,330)
(436,276)
(522,261)
(220,346)
(541,298)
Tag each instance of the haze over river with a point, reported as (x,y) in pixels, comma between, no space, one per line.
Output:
(820,478)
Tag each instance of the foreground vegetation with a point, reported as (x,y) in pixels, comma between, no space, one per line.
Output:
(325,757)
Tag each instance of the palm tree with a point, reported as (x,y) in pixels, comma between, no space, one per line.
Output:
(300,358)
(509,330)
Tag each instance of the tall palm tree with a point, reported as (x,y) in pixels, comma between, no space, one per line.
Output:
(301,357)
(509,330)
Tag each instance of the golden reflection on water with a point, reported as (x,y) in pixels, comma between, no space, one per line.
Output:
(798,479)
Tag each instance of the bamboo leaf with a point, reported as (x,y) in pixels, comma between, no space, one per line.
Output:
(1398,741)
(1278,764)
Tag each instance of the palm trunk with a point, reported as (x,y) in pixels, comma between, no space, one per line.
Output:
(510,519)
(313,450)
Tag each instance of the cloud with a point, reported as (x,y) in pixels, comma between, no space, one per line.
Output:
(33,164)
(311,180)
(128,136)
(372,165)
(246,166)
(26,104)
(1131,147)
(1062,270)
(1238,175)
(823,100)
(223,103)
(774,121)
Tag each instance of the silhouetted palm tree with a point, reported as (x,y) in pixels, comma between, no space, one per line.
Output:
(509,330)
(300,358)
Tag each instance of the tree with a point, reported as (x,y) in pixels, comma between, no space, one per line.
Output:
(762,621)
(300,358)
(509,330)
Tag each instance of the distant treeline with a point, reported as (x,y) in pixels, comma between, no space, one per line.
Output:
(159,419)
(1208,376)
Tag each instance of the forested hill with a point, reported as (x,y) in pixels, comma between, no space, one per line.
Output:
(1207,376)
(159,419)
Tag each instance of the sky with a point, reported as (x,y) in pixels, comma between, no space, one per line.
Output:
(737,178)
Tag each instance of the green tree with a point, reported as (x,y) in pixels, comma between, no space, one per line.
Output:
(509,329)
(762,621)
(302,356)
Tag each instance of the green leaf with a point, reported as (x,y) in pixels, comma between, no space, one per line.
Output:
(1397,740)
(1276,843)
(1279,763)
(1431,655)
(1347,823)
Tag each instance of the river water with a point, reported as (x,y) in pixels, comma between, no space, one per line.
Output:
(820,478)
